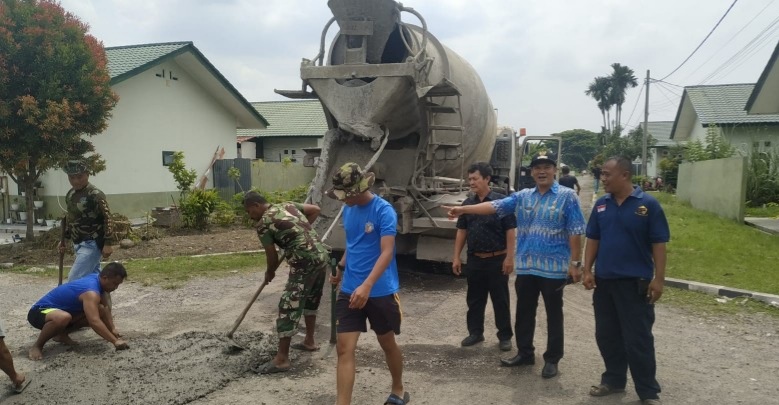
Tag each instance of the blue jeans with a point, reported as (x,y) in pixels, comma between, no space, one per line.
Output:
(87,260)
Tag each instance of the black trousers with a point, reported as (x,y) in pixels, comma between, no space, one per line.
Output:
(485,277)
(528,289)
(623,330)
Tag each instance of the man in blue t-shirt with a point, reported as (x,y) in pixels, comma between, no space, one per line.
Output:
(626,237)
(370,280)
(75,305)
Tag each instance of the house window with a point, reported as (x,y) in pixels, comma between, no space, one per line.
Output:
(167,157)
(286,151)
(767,144)
(755,144)
(293,151)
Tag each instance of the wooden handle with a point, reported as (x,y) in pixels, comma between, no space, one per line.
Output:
(62,242)
(246,310)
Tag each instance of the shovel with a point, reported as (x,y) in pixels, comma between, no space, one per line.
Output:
(62,254)
(233,344)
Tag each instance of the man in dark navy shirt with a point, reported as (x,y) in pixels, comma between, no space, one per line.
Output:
(626,237)
(488,265)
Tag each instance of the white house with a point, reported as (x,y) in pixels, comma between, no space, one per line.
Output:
(293,127)
(661,132)
(722,107)
(765,97)
(171,98)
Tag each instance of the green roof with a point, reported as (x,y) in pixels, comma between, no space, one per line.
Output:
(125,61)
(289,119)
(661,132)
(724,104)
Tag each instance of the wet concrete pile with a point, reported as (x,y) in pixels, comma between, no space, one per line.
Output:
(175,370)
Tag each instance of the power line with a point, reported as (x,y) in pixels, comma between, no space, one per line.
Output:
(636,105)
(704,40)
(668,89)
(729,40)
(747,49)
(663,81)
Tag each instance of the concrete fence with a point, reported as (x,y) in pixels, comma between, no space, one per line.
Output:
(276,176)
(718,186)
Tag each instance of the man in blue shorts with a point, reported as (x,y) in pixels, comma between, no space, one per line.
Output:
(75,305)
(370,280)
(626,237)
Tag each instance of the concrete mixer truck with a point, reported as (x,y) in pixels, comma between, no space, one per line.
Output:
(407,108)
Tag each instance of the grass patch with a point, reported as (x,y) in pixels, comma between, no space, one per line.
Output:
(709,305)
(714,250)
(763,212)
(173,272)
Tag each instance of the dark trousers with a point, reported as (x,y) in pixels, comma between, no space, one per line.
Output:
(485,277)
(528,289)
(623,330)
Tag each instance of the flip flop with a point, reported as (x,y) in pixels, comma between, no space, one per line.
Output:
(24,385)
(601,390)
(270,368)
(396,400)
(301,346)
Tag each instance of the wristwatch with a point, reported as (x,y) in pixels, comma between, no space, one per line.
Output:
(576,264)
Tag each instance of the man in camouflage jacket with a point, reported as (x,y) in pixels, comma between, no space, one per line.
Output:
(88,223)
(288,226)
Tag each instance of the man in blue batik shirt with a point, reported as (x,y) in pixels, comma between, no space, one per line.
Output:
(548,254)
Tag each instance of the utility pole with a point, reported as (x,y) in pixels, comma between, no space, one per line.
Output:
(645,131)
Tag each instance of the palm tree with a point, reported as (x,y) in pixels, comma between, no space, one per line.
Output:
(600,90)
(621,79)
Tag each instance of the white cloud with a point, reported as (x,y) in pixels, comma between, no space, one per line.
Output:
(535,57)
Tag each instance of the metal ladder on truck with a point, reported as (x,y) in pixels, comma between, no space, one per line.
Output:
(435,147)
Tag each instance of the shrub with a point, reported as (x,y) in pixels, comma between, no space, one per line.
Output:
(197,206)
(762,178)
(224,214)
(184,178)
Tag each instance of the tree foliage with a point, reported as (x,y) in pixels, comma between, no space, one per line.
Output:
(609,91)
(579,147)
(629,146)
(715,146)
(54,89)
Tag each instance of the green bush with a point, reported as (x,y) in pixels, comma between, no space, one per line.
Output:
(184,178)
(762,178)
(197,207)
(224,214)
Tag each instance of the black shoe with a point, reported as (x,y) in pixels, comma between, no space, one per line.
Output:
(505,345)
(549,371)
(472,340)
(518,360)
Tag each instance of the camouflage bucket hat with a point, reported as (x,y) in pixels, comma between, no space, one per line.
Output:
(349,181)
(74,167)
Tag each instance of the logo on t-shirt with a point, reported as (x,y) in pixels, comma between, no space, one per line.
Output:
(602,208)
(642,211)
(368,227)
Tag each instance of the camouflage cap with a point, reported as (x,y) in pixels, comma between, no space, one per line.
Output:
(75,167)
(349,181)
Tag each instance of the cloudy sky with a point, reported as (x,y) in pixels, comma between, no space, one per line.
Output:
(536,57)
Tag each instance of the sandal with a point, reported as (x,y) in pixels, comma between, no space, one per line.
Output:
(601,390)
(25,383)
(396,400)
(270,368)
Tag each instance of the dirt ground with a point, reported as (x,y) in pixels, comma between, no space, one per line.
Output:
(178,353)
(217,240)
